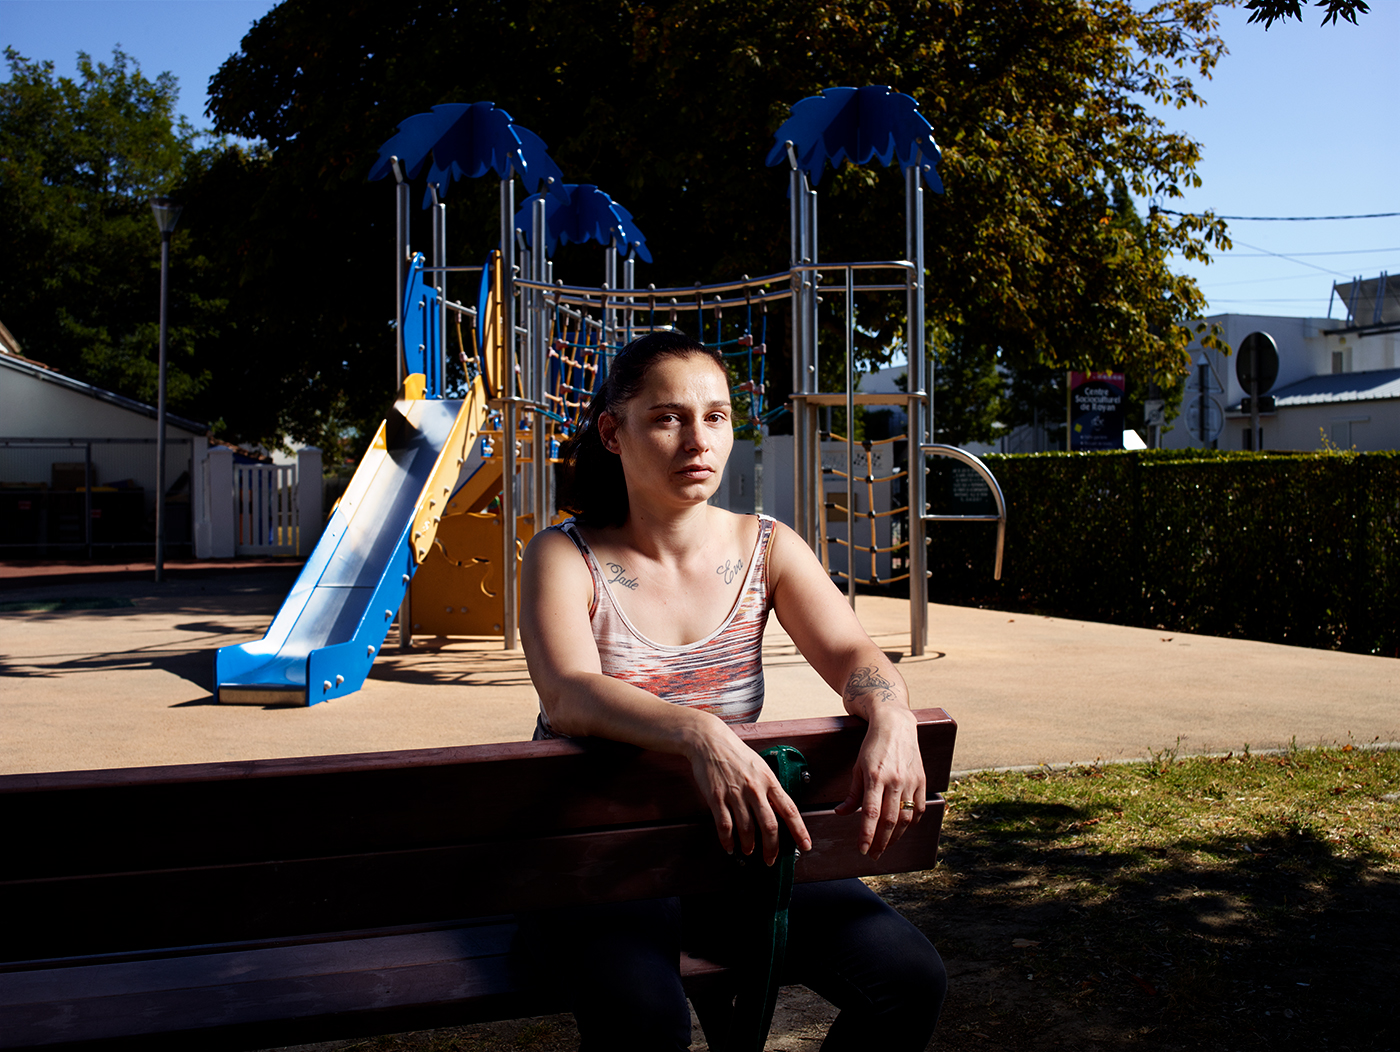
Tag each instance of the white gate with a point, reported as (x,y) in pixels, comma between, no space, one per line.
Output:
(265,500)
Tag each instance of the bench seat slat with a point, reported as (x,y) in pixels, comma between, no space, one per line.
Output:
(133,911)
(348,988)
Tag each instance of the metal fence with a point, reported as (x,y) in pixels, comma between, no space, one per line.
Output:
(67,497)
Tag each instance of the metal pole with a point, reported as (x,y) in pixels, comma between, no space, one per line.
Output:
(402,221)
(440,283)
(401,251)
(850,439)
(609,287)
(508,389)
(816,489)
(87,496)
(1256,436)
(797,253)
(629,281)
(160,406)
(920,385)
(539,371)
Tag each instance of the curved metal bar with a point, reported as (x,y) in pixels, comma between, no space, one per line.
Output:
(938,449)
(586,295)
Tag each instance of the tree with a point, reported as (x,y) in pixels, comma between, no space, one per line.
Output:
(1271,11)
(79,250)
(1040,106)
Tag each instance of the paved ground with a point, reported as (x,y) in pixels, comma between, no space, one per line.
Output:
(112,670)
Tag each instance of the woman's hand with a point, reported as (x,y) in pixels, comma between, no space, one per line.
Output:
(889,771)
(743,793)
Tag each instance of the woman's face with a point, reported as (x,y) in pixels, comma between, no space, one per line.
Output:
(674,435)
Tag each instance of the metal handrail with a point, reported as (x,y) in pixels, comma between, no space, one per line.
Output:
(939,449)
(645,299)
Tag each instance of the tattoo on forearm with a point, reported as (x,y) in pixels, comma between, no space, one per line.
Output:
(868,681)
(730,570)
(619,576)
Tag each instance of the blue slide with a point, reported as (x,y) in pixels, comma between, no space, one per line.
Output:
(324,639)
(333,622)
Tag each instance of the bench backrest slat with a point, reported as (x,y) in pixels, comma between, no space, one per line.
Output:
(212,853)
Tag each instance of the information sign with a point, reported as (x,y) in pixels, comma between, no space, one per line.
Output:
(1096,410)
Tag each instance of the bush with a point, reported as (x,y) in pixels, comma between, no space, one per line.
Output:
(1298,549)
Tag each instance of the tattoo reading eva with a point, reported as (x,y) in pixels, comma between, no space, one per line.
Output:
(869,681)
(730,570)
(619,577)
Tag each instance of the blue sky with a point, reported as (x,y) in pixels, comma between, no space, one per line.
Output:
(1298,123)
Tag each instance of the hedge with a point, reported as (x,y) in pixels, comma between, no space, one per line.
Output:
(1298,549)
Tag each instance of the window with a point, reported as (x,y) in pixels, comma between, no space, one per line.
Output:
(1338,360)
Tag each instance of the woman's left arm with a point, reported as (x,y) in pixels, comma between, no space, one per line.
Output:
(889,771)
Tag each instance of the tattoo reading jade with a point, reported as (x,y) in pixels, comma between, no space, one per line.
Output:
(619,576)
(869,681)
(730,570)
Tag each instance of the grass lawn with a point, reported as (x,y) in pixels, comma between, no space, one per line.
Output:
(1246,902)
(1237,903)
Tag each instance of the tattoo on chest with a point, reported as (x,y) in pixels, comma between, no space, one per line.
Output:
(730,570)
(619,576)
(869,681)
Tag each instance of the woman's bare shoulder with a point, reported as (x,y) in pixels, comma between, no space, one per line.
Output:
(552,553)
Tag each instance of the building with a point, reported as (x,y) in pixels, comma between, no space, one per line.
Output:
(78,477)
(1338,380)
(78,467)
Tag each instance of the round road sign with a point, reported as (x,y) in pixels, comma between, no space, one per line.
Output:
(1258,355)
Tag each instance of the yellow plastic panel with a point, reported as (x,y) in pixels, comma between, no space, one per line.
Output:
(456,591)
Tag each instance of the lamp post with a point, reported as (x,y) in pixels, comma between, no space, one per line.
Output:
(167,214)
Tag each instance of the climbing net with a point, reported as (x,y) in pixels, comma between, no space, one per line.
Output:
(580,355)
(870,517)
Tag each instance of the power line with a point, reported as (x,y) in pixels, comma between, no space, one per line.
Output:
(1278,219)
(1262,281)
(1339,252)
(1301,263)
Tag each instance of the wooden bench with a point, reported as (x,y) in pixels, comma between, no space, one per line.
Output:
(270,902)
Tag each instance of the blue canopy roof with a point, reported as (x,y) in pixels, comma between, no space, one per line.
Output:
(466,141)
(582,212)
(858,124)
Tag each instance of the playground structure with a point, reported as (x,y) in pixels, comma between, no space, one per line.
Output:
(439,510)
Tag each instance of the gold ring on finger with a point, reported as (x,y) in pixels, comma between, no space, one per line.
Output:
(906,805)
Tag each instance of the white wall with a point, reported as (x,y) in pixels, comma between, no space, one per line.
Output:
(1305,349)
(35,408)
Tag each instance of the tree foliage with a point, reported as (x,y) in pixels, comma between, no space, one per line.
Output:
(79,249)
(1041,107)
(1271,11)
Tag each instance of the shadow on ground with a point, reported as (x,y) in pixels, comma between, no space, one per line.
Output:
(1286,943)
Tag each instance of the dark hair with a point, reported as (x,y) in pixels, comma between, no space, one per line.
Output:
(591,484)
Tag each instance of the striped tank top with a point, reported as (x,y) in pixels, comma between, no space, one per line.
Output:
(721,674)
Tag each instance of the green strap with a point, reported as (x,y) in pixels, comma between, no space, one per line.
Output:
(768,892)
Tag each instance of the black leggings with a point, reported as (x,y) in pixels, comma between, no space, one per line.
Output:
(621,964)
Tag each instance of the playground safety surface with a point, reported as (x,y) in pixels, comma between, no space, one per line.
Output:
(100,667)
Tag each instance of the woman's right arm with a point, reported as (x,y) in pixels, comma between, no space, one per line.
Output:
(556,591)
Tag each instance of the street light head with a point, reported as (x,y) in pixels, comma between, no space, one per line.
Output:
(167,214)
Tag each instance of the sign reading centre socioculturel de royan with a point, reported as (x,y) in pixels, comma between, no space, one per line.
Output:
(1096,410)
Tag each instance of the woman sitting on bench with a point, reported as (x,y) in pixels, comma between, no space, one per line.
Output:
(642,621)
